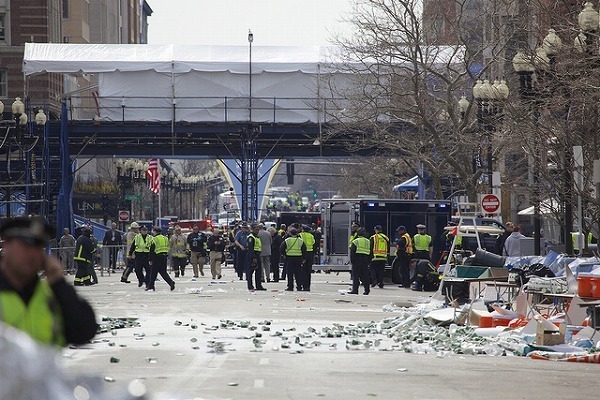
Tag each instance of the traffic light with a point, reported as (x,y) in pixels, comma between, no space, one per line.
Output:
(315,193)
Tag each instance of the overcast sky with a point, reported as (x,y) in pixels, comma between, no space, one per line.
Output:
(226,22)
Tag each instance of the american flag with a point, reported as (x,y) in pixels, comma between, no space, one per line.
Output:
(153,174)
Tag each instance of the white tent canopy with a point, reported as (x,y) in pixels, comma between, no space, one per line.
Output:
(96,58)
(547,206)
(212,83)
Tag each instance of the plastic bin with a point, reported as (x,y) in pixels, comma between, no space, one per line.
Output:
(584,285)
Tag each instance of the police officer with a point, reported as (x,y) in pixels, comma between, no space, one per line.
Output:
(134,230)
(48,310)
(360,256)
(254,261)
(353,232)
(295,250)
(404,251)
(159,250)
(178,249)
(306,269)
(380,247)
(141,248)
(84,256)
(423,244)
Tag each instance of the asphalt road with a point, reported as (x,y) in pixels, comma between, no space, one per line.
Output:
(216,340)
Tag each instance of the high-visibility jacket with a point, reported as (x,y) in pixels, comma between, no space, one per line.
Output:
(309,241)
(257,243)
(142,244)
(409,248)
(422,242)
(293,246)
(363,245)
(41,318)
(161,244)
(381,246)
(352,237)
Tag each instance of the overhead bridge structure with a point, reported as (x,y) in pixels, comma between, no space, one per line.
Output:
(194,102)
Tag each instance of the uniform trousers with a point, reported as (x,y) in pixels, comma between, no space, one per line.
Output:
(377,269)
(360,272)
(142,268)
(159,266)
(293,265)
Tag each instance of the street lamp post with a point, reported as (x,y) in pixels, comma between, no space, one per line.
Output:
(525,68)
(490,100)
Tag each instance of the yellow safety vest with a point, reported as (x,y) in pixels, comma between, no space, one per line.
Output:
(421,242)
(309,240)
(380,246)
(257,243)
(142,245)
(41,318)
(409,247)
(293,246)
(363,245)
(161,244)
(352,237)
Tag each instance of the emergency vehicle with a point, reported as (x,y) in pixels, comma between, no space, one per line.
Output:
(338,215)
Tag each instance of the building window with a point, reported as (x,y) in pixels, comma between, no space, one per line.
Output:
(2,27)
(65,9)
(3,84)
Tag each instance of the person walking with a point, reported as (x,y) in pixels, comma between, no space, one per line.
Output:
(404,251)
(216,245)
(423,244)
(141,248)
(265,253)
(512,245)
(380,247)
(295,250)
(134,229)
(241,243)
(196,243)
(360,257)
(254,259)
(276,241)
(84,256)
(113,240)
(159,250)
(66,245)
(306,269)
(49,309)
(178,250)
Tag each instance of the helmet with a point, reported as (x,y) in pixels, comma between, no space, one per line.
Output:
(135,225)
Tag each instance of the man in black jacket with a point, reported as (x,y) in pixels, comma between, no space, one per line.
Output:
(113,240)
(24,295)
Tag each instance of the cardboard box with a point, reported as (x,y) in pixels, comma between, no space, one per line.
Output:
(550,337)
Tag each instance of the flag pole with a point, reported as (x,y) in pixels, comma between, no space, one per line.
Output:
(159,210)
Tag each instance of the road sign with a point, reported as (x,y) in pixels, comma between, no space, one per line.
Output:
(123,215)
(490,203)
(133,197)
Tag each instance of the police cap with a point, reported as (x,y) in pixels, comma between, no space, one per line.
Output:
(401,228)
(421,226)
(32,230)
(378,227)
(293,231)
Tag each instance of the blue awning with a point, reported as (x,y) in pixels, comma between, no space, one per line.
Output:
(411,184)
